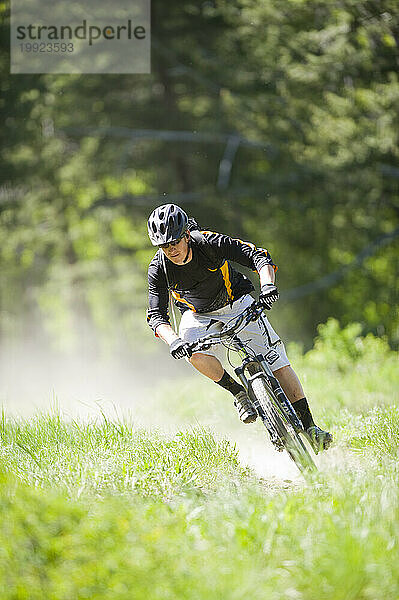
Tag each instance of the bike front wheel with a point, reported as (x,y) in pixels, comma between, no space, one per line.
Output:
(277,418)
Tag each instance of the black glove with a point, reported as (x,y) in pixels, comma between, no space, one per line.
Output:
(268,295)
(180,349)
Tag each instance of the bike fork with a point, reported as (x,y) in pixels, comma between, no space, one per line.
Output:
(276,387)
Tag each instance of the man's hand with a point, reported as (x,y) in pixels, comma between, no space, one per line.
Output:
(180,349)
(268,295)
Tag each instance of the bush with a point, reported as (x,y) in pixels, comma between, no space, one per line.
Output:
(342,348)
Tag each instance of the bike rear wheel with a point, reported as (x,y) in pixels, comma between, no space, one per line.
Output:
(289,437)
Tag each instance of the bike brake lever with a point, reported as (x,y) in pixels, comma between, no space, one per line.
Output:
(200,347)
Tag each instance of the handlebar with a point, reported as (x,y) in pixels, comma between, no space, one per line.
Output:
(251,313)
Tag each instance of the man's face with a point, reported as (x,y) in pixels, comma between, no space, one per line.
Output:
(178,252)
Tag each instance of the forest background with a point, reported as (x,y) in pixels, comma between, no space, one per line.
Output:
(275,122)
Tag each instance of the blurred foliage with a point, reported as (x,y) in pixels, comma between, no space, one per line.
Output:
(346,373)
(313,84)
(343,348)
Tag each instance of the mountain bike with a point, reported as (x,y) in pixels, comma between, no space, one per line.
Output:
(268,398)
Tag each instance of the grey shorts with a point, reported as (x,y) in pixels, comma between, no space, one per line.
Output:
(259,335)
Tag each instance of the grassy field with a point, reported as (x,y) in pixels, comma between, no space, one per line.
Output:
(104,509)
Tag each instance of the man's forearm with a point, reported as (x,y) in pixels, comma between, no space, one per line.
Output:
(166,333)
(266,275)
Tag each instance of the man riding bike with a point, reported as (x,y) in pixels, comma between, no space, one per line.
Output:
(194,266)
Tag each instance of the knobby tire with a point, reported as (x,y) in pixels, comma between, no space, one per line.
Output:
(284,429)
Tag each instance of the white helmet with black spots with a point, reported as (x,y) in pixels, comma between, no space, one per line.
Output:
(166,223)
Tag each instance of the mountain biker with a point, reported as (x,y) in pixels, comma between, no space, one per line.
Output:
(194,266)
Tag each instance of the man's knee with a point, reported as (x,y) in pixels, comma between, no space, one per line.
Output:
(285,373)
(198,357)
(282,371)
(290,383)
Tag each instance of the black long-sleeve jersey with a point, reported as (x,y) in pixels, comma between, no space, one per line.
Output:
(206,283)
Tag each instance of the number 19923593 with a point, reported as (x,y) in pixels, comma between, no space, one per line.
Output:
(53,47)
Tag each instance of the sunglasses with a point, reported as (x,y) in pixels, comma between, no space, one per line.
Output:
(174,243)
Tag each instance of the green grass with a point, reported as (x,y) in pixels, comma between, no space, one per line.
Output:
(233,537)
(104,510)
(99,510)
(102,457)
(377,432)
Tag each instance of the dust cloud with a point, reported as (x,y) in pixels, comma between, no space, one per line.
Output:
(34,378)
